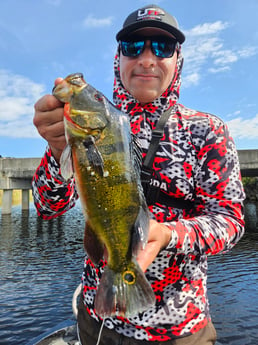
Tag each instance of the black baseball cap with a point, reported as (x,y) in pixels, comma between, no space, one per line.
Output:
(150,16)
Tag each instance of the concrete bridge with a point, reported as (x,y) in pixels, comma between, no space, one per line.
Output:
(16,173)
(248,162)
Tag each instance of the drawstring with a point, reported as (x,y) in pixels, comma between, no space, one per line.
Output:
(100,331)
(99,336)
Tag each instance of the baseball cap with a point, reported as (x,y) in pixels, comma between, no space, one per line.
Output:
(151,16)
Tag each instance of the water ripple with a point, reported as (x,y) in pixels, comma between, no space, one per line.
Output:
(41,264)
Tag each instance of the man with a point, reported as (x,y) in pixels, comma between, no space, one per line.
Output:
(193,188)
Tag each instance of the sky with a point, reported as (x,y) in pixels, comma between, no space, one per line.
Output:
(41,40)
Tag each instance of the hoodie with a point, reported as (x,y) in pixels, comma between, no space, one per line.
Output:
(196,161)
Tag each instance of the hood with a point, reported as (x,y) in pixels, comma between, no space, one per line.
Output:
(128,104)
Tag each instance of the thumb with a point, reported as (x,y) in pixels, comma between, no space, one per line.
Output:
(58,81)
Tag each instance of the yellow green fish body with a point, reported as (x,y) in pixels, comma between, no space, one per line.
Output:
(104,162)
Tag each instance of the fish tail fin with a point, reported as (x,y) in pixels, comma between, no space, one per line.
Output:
(123,293)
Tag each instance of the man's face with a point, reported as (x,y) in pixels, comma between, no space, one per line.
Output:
(147,76)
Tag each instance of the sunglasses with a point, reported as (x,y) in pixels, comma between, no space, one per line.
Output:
(160,47)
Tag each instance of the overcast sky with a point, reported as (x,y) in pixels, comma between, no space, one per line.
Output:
(42,40)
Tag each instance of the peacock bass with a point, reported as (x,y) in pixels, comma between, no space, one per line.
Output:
(105,159)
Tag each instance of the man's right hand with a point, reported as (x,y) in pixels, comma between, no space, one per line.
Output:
(49,121)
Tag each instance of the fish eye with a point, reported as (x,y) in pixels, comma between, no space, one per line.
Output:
(98,97)
(129,277)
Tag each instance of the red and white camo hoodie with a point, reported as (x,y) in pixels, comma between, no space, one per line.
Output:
(196,160)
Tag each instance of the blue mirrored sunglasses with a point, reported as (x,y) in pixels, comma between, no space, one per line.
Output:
(159,47)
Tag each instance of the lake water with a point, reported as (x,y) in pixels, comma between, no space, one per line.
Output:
(41,264)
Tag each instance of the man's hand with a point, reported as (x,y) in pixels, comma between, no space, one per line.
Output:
(159,237)
(48,119)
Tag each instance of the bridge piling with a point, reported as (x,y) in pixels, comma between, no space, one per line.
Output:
(8,198)
(7,201)
(25,199)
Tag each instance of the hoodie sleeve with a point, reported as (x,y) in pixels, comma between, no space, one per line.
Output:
(218,224)
(52,195)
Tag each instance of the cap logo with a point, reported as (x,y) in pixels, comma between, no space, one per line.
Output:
(150,13)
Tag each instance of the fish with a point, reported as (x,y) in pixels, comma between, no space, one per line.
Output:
(105,159)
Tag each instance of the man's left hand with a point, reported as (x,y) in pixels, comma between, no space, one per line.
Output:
(158,238)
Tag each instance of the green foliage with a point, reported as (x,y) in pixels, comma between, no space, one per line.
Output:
(249,181)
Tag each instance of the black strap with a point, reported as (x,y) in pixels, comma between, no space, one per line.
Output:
(154,194)
(157,134)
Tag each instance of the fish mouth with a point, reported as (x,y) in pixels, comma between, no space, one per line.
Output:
(70,120)
(62,91)
(95,132)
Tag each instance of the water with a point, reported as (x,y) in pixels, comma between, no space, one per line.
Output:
(41,264)
(233,293)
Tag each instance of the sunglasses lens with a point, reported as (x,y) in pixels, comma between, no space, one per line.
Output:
(160,48)
(163,49)
(132,48)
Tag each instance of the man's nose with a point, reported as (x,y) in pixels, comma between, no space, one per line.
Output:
(147,58)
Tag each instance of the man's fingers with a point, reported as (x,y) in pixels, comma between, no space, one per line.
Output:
(47,103)
(55,130)
(48,118)
(147,255)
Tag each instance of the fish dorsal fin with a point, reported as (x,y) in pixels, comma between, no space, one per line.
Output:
(66,163)
(141,227)
(140,230)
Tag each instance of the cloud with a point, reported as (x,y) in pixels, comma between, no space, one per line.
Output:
(224,57)
(244,128)
(191,79)
(219,69)
(247,52)
(234,114)
(92,22)
(206,29)
(17,97)
(206,53)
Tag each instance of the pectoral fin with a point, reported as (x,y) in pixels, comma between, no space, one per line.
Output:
(94,156)
(66,163)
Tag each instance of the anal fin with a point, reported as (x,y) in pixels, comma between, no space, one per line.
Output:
(92,245)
